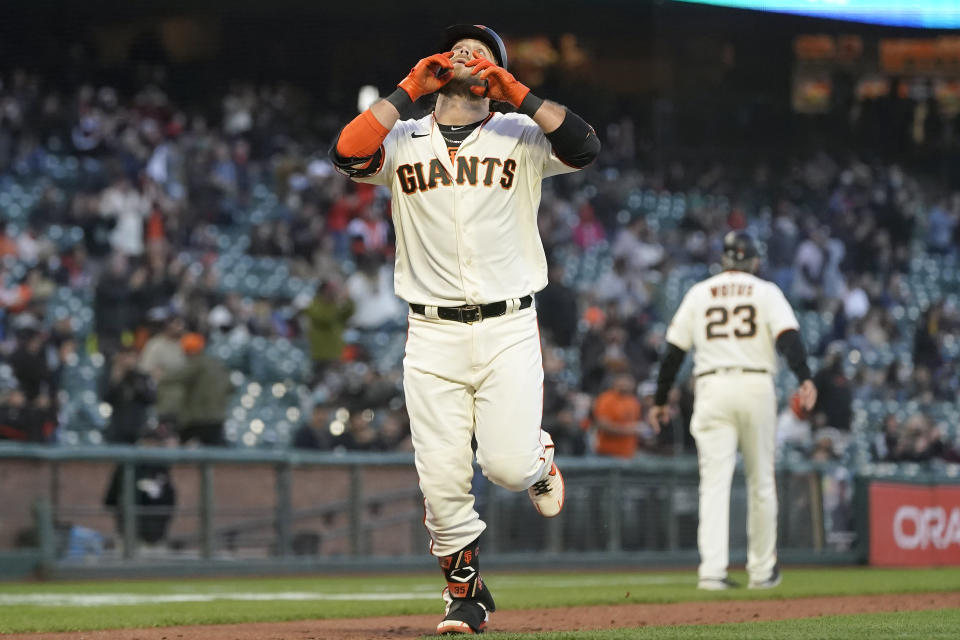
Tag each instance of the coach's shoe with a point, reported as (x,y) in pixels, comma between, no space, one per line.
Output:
(547,494)
(462,616)
(774,580)
(716,584)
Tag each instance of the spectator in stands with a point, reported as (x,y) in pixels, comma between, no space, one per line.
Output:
(618,420)
(835,398)
(115,304)
(159,280)
(154,492)
(394,433)
(326,317)
(588,232)
(206,388)
(638,245)
(793,427)
(30,360)
(30,246)
(8,243)
(557,305)
(622,287)
(592,350)
(369,232)
(25,422)
(123,203)
(824,447)
(942,224)
(884,443)
(371,289)
(359,434)
(161,357)
(782,245)
(816,268)
(926,345)
(919,440)
(563,413)
(75,269)
(315,432)
(130,394)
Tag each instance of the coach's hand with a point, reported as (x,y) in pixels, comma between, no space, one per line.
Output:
(428,75)
(659,415)
(808,394)
(498,83)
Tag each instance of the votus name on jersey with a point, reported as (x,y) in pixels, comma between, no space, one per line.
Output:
(470,170)
(726,290)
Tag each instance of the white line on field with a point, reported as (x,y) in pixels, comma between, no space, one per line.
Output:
(101,599)
(590,581)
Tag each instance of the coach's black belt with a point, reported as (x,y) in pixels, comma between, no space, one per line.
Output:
(730,370)
(471,313)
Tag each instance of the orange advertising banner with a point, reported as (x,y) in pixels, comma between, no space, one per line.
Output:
(914,525)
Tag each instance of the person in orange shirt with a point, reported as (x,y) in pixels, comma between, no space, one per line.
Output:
(617,417)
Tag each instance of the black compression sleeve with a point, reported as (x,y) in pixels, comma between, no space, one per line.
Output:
(574,141)
(791,346)
(669,366)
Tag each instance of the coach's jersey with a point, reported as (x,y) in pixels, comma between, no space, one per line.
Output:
(466,218)
(732,319)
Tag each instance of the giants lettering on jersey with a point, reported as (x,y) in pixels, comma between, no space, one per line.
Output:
(417,177)
(725,290)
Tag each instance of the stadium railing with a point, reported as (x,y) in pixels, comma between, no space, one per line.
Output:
(255,511)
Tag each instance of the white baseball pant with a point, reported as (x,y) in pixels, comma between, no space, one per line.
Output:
(732,409)
(463,379)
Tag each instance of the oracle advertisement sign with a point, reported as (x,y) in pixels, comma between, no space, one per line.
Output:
(914,525)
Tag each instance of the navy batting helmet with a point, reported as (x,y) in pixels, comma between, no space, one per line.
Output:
(486,35)
(739,250)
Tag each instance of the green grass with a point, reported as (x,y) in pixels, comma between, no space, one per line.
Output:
(924,625)
(414,594)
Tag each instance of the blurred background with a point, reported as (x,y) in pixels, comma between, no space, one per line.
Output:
(186,285)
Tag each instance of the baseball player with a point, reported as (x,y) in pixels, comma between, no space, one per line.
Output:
(734,321)
(465,184)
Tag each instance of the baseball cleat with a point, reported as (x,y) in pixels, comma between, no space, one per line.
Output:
(771,582)
(547,494)
(716,584)
(462,616)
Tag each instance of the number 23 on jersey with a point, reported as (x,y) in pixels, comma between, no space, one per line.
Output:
(741,322)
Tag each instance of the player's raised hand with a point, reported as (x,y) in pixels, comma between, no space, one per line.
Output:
(498,83)
(808,394)
(428,75)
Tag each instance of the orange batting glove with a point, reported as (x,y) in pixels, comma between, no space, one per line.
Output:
(428,75)
(499,84)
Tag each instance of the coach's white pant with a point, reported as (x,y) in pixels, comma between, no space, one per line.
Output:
(732,409)
(462,379)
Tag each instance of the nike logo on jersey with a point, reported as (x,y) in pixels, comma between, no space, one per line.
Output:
(418,135)
(473,171)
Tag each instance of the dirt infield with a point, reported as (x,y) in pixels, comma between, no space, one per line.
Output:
(568,619)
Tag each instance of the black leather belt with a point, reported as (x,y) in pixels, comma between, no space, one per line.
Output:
(730,370)
(471,313)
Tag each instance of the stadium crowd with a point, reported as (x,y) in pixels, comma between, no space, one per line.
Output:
(145,209)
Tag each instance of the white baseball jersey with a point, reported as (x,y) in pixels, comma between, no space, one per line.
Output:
(732,319)
(466,223)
